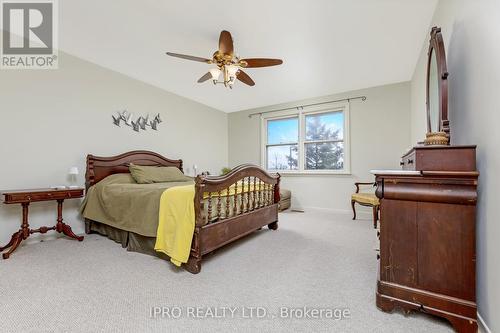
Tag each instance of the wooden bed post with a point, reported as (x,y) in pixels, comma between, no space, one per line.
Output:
(194,262)
(89,181)
(277,198)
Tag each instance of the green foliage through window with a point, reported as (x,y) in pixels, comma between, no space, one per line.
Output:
(324,149)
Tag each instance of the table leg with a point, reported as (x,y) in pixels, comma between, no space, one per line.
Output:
(10,242)
(63,227)
(17,238)
(25,227)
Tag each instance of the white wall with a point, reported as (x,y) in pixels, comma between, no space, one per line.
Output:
(379,135)
(50,121)
(471,32)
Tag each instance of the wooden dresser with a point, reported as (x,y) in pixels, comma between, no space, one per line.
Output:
(427,234)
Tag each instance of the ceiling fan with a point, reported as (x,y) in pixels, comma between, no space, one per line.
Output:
(228,63)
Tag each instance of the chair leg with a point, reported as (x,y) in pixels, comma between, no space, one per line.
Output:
(353,209)
(375,216)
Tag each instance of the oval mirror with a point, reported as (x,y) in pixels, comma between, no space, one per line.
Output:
(438,130)
(434,118)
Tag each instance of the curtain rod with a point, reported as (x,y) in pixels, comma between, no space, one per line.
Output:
(362,98)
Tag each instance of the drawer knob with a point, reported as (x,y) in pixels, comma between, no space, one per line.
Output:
(402,163)
(410,161)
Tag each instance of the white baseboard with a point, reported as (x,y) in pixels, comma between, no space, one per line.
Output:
(359,212)
(483,328)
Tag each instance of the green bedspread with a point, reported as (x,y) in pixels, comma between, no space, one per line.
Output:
(120,202)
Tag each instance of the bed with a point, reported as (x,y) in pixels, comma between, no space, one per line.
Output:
(226,208)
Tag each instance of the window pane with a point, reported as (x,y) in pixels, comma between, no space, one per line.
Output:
(283,131)
(324,156)
(282,157)
(325,126)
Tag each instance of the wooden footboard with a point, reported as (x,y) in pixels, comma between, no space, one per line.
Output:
(244,200)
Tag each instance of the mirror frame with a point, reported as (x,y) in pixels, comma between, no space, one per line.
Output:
(436,45)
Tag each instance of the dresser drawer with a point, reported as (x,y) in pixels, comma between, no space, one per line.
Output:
(408,161)
(21,196)
(440,158)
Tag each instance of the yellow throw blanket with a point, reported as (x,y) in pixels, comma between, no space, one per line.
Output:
(176,223)
(177,219)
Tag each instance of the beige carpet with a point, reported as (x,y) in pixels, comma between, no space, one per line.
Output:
(315,260)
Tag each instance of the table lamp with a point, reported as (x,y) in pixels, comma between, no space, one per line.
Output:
(73,173)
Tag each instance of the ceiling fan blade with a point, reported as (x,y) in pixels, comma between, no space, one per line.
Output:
(243,77)
(205,77)
(261,62)
(188,57)
(226,42)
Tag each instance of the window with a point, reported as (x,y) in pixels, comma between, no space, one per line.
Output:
(282,144)
(324,143)
(307,141)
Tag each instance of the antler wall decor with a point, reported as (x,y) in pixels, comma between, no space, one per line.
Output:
(141,123)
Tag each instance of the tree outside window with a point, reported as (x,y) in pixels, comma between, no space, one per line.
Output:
(324,147)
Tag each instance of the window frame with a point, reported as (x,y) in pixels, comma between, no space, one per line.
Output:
(283,144)
(301,113)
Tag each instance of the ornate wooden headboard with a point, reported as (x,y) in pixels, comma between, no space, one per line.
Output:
(99,168)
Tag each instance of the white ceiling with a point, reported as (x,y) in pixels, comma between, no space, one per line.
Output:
(327,46)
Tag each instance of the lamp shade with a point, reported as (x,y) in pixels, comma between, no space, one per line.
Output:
(215,72)
(232,70)
(73,171)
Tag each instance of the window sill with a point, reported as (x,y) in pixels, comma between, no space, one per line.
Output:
(312,173)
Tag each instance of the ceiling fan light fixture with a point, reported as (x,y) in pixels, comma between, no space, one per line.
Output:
(215,72)
(228,63)
(232,70)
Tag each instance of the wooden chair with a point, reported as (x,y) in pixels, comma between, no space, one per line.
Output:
(366,199)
